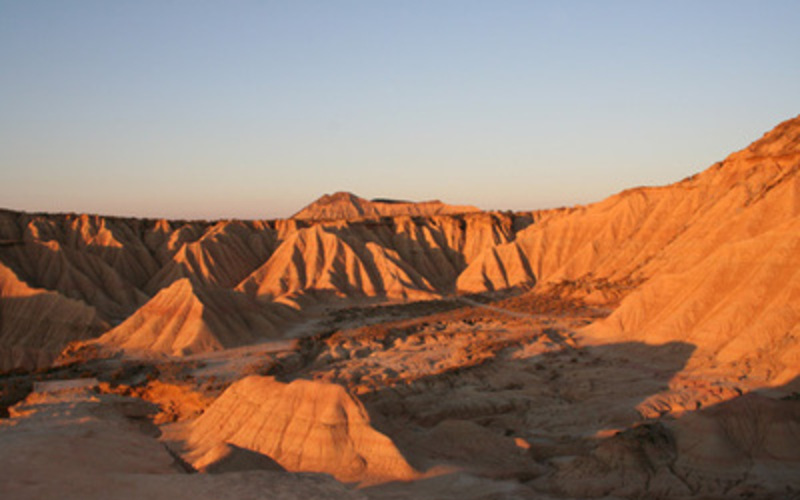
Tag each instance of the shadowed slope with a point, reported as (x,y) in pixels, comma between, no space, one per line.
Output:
(79,275)
(117,242)
(223,256)
(400,257)
(35,325)
(185,319)
(750,441)
(746,447)
(314,259)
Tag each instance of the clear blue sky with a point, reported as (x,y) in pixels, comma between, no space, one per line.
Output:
(253,109)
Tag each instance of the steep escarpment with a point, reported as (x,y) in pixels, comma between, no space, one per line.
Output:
(739,305)
(729,282)
(708,259)
(644,231)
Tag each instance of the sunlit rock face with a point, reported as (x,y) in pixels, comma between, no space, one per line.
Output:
(645,346)
(186,319)
(183,287)
(708,260)
(303,426)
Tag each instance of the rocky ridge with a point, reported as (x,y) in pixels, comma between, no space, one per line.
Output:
(648,348)
(124,270)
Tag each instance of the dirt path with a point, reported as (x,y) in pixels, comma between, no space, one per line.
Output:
(551,333)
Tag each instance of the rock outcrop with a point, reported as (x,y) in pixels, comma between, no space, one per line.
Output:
(644,231)
(304,426)
(67,441)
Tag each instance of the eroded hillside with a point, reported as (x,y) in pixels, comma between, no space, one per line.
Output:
(246,277)
(645,346)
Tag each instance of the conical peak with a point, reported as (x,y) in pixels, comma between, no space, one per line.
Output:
(185,290)
(183,285)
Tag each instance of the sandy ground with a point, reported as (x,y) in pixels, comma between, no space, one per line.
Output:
(483,398)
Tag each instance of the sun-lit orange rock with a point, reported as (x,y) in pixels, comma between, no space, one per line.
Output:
(713,255)
(642,346)
(304,426)
(185,318)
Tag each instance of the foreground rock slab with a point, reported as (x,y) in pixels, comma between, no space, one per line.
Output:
(68,442)
(303,426)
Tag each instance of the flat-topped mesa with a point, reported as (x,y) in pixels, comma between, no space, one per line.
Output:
(347,206)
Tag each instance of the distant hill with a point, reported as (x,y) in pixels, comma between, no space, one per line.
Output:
(183,287)
(710,260)
(347,206)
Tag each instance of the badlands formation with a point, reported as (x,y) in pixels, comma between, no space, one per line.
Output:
(646,346)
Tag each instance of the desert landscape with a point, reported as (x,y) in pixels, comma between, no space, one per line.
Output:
(644,346)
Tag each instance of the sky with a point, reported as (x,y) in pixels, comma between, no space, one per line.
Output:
(252,109)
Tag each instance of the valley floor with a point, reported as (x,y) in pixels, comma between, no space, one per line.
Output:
(486,396)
